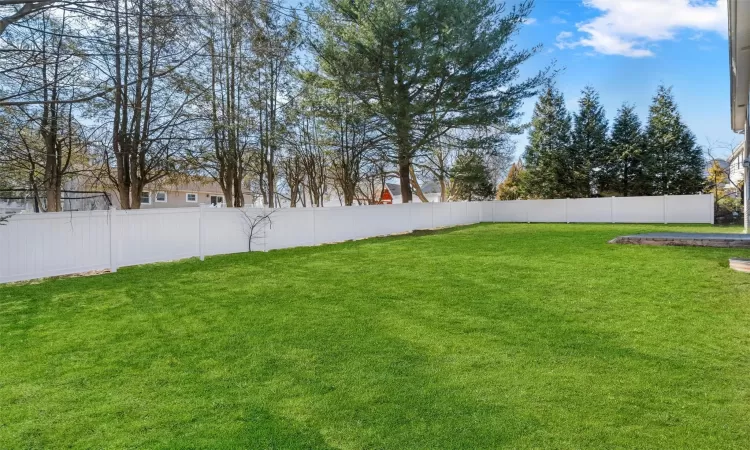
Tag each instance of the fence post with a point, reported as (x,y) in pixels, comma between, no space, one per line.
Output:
(201,231)
(711,205)
(566,211)
(612,209)
(665,209)
(315,235)
(112,243)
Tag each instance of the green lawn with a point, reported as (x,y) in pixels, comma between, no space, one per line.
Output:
(495,335)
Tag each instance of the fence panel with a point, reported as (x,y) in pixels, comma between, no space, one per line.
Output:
(511,211)
(33,246)
(380,220)
(146,236)
(589,210)
(397,219)
(441,215)
(459,215)
(45,245)
(639,210)
(421,216)
(545,210)
(690,208)
(473,212)
(334,225)
(225,231)
(292,227)
(488,211)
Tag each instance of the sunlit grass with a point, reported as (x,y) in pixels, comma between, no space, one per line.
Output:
(493,335)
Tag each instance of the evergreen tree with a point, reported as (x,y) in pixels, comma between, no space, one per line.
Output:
(510,188)
(547,156)
(589,143)
(471,178)
(623,172)
(426,68)
(673,162)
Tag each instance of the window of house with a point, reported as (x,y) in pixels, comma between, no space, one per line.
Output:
(161,197)
(191,198)
(217,199)
(145,198)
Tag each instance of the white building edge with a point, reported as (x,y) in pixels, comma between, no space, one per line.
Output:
(739,73)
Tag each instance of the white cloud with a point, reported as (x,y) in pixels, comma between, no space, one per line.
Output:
(630,27)
(565,40)
(557,20)
(529,21)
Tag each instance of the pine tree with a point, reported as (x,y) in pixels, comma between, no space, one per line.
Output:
(589,143)
(471,178)
(547,157)
(623,172)
(428,67)
(673,162)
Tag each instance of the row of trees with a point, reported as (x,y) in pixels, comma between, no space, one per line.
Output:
(580,156)
(258,96)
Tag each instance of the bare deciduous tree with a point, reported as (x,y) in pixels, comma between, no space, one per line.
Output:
(45,68)
(294,174)
(274,44)
(255,225)
(12,11)
(146,110)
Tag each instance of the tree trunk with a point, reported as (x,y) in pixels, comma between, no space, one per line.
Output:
(415,185)
(405,179)
(443,190)
(271,184)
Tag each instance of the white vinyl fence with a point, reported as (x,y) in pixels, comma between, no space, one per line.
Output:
(43,245)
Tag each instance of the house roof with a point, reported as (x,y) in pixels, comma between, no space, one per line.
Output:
(428,187)
(207,186)
(395,188)
(738,151)
(739,61)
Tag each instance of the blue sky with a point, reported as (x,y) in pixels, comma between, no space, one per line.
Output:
(626,48)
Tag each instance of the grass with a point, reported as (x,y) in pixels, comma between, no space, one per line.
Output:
(495,335)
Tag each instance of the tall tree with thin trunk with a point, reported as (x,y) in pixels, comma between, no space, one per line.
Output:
(276,39)
(45,68)
(225,74)
(146,53)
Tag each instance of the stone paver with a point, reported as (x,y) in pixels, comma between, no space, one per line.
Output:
(687,239)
